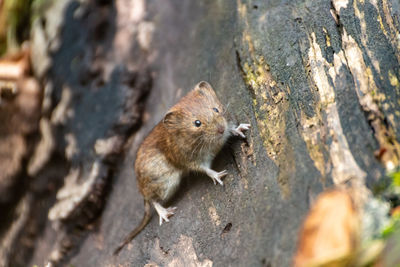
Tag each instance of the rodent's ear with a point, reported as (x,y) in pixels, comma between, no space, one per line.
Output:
(204,88)
(203,85)
(170,119)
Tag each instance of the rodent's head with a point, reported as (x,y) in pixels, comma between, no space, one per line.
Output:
(198,118)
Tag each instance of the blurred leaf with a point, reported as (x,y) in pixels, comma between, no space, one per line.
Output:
(14,24)
(393,225)
(330,233)
(396,178)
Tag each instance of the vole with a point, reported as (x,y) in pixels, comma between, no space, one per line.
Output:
(187,139)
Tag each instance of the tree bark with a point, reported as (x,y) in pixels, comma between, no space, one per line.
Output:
(317,80)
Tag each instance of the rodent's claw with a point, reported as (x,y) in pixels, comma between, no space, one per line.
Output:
(215,176)
(164,213)
(216,179)
(169,213)
(245,126)
(218,175)
(240,129)
(163,219)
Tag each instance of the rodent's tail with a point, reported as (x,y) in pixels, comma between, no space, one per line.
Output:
(145,221)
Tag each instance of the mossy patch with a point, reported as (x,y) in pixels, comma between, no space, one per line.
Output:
(270,105)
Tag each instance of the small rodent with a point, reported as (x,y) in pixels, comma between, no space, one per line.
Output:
(187,139)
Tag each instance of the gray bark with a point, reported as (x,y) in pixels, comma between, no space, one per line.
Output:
(317,80)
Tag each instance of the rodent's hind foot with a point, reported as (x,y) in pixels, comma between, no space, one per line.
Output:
(216,176)
(164,213)
(240,129)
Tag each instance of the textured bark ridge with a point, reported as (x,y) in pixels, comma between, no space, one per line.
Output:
(317,80)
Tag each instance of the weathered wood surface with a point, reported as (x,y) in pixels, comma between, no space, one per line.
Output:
(318,81)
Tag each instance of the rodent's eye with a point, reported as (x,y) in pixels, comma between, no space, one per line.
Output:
(197,123)
(216,110)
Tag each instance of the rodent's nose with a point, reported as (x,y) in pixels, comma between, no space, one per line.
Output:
(221,129)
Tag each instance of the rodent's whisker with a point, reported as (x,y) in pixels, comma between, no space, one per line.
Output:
(196,140)
(194,149)
(201,147)
(226,108)
(206,145)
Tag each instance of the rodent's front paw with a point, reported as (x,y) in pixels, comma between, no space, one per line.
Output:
(215,176)
(240,129)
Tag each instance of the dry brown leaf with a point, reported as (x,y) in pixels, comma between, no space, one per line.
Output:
(14,67)
(330,233)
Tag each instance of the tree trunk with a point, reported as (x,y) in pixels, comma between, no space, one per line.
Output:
(317,80)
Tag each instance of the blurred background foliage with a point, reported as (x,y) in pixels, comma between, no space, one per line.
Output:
(16,17)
